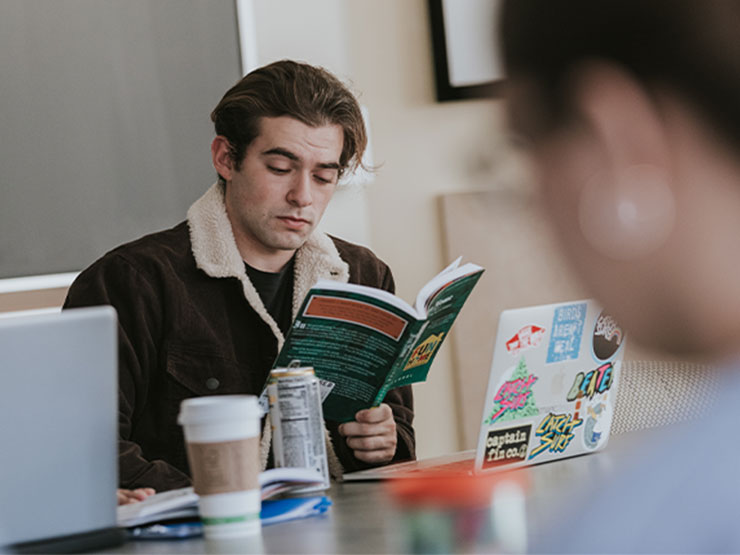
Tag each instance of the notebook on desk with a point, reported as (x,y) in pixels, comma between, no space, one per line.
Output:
(551,391)
(58,431)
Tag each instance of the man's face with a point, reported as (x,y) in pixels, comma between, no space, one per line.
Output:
(286,180)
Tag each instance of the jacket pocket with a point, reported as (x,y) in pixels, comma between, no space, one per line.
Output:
(198,373)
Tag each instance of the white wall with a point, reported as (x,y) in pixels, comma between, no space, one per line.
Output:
(424,148)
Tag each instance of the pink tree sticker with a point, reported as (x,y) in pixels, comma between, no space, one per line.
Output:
(515,398)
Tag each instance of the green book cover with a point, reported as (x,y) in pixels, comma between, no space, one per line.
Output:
(365,341)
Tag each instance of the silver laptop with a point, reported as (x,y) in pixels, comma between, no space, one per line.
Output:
(551,391)
(58,431)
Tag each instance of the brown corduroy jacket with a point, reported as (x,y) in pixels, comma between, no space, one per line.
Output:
(191,323)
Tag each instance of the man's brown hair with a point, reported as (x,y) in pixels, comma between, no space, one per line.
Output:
(307,93)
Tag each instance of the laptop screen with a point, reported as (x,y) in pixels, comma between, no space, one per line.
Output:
(58,424)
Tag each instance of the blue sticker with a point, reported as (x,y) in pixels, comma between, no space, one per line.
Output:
(567,328)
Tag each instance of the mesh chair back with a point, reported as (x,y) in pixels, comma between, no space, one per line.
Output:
(656,393)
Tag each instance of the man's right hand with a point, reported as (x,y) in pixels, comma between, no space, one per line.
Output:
(126,496)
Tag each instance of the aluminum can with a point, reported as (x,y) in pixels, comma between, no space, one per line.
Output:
(297,421)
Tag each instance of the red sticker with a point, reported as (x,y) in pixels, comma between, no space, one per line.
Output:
(528,336)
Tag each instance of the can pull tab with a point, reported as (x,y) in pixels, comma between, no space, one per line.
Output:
(294,364)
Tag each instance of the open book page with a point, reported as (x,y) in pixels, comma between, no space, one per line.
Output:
(364,290)
(453,272)
(352,339)
(443,305)
(167,505)
(432,285)
(281,480)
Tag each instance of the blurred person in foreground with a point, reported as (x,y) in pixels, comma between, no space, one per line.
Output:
(631,113)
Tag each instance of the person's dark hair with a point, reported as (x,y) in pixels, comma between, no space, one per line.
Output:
(309,94)
(689,47)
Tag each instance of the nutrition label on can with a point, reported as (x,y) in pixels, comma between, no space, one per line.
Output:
(295,408)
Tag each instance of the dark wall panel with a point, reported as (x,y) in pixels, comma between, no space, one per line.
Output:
(104,122)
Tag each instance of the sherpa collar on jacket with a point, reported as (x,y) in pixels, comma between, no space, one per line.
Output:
(216,253)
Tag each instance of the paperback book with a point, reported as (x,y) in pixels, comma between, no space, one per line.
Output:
(363,342)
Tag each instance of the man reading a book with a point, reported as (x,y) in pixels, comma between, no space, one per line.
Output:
(204,307)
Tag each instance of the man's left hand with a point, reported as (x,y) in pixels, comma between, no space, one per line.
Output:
(372,436)
(128,496)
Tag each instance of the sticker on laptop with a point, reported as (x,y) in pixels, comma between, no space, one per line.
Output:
(598,422)
(555,433)
(607,337)
(525,338)
(514,398)
(594,382)
(506,446)
(567,329)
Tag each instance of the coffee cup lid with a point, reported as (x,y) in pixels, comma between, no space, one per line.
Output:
(216,408)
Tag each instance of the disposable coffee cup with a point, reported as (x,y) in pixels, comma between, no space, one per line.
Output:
(222,437)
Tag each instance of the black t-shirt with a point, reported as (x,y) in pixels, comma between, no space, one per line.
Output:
(276,291)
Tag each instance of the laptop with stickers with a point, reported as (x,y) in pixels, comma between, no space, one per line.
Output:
(551,391)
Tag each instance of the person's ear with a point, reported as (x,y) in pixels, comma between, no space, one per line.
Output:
(627,209)
(221,157)
(621,114)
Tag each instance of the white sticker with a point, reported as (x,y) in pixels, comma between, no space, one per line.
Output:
(326,387)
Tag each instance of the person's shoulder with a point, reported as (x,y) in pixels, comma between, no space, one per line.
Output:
(152,250)
(353,249)
(130,269)
(364,265)
(352,253)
